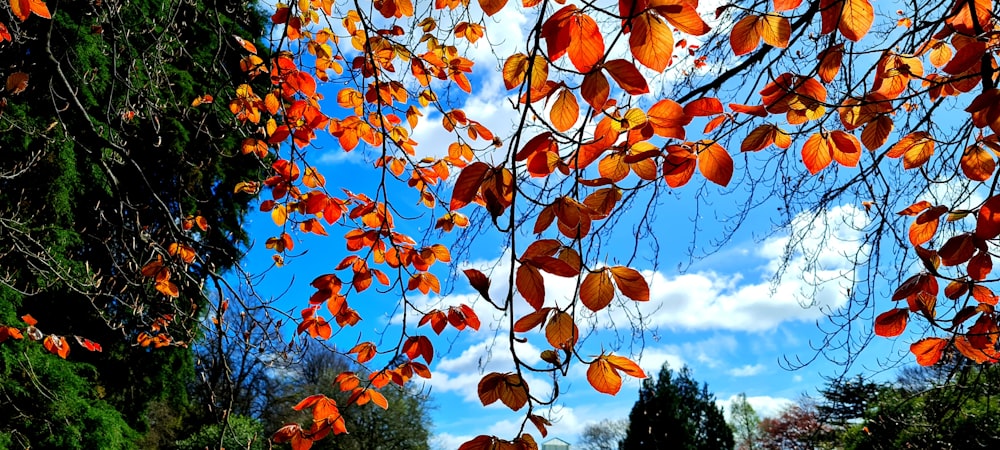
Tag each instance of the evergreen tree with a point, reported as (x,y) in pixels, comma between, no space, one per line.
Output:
(105,163)
(675,412)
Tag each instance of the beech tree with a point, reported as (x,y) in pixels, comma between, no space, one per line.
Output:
(823,103)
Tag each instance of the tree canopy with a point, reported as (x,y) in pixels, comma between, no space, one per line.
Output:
(139,131)
(673,411)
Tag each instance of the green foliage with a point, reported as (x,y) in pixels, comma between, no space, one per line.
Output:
(103,157)
(675,412)
(240,432)
(949,406)
(744,422)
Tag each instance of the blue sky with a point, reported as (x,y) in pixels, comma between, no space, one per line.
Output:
(731,316)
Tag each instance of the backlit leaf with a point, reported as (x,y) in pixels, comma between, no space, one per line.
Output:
(561,331)
(565,110)
(651,41)
(977,164)
(530,285)
(988,219)
(928,350)
(715,163)
(744,38)
(596,291)
(627,76)
(630,283)
(891,323)
(774,30)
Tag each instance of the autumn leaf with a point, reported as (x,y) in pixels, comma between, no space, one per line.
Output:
(891,323)
(561,331)
(630,283)
(928,350)
(627,76)
(508,388)
(715,163)
(603,373)
(565,110)
(596,291)
(651,41)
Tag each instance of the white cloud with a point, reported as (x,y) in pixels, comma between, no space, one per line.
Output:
(763,405)
(747,370)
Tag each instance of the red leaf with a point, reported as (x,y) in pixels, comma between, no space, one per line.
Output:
(988,219)
(468,184)
(891,323)
(706,106)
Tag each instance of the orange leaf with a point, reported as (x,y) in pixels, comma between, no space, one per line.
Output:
(744,38)
(877,132)
(829,62)
(760,138)
(509,388)
(530,285)
(678,168)
(916,148)
(21,9)
(17,82)
(365,350)
(957,250)
(705,106)
(491,7)
(977,163)
(626,365)
(774,29)
(419,346)
(561,331)
(631,283)
(891,323)
(928,350)
(595,90)
(715,163)
(627,76)
(531,320)
(668,118)
(682,15)
(565,110)
(926,225)
(603,377)
(786,5)
(852,17)
(845,148)
(816,153)
(651,41)
(596,291)
(980,266)
(57,345)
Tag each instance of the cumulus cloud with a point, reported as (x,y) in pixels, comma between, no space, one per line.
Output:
(747,370)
